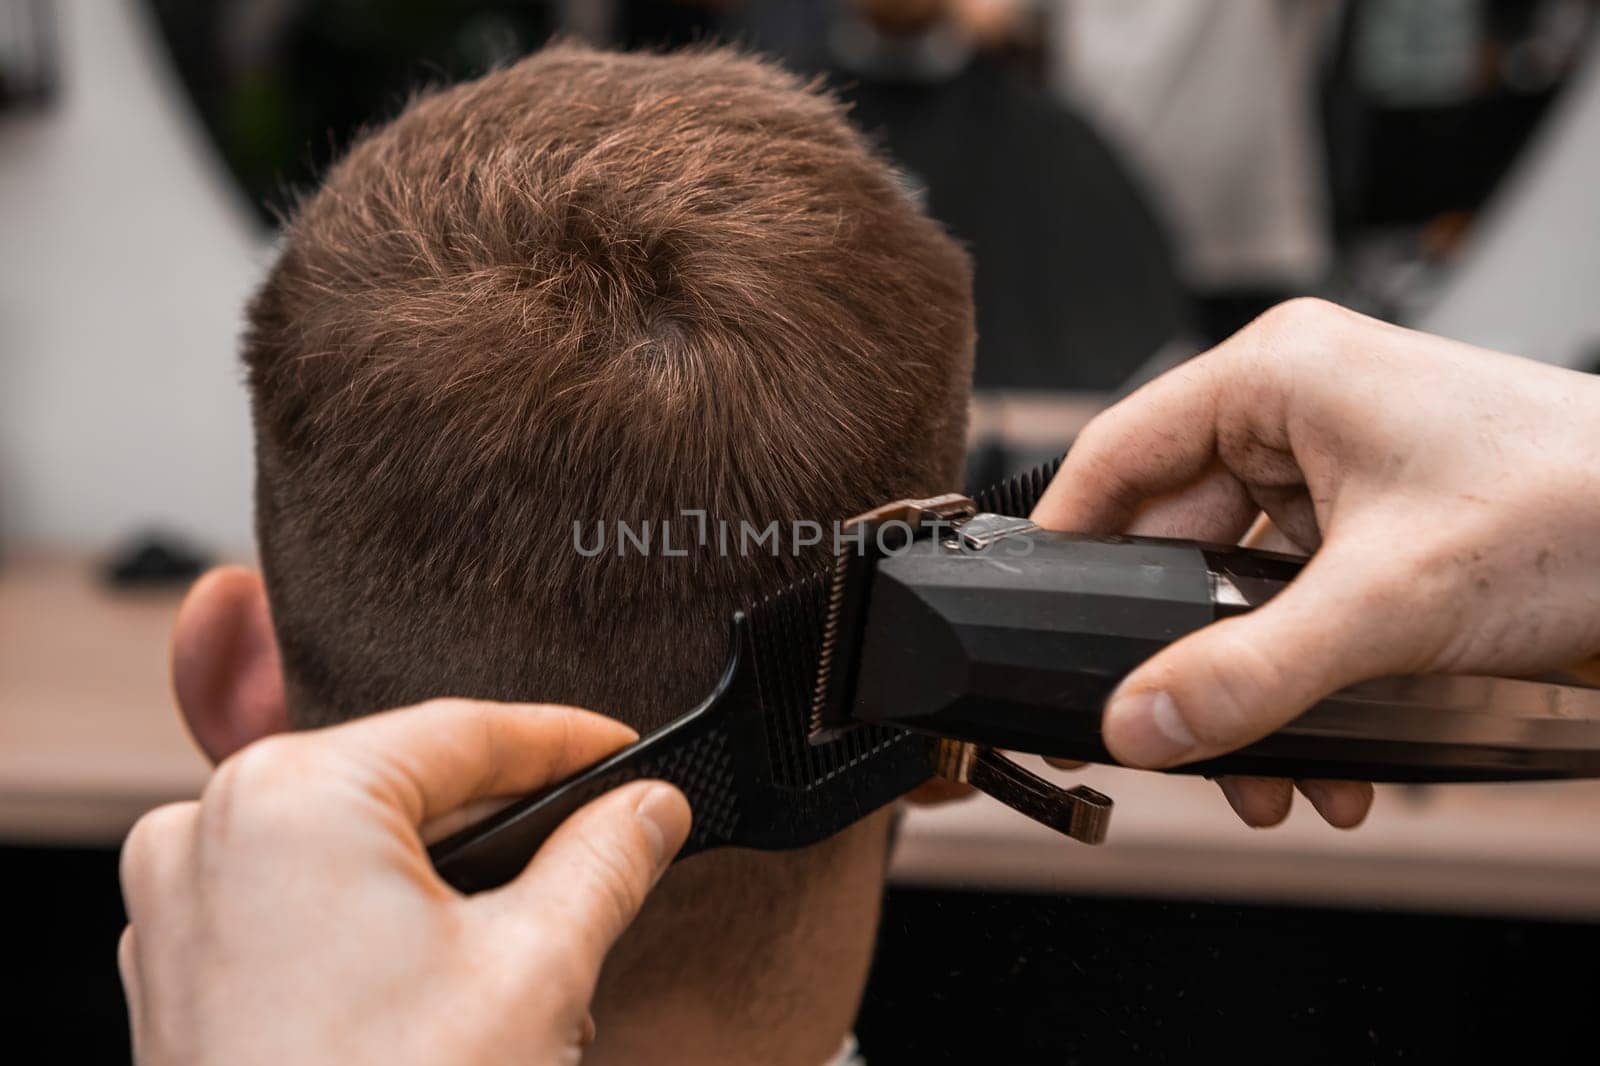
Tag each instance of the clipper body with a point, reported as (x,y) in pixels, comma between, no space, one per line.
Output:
(1018,646)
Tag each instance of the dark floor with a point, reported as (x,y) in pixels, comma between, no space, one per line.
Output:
(1019,979)
(1043,979)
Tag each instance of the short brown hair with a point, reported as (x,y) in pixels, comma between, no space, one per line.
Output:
(586,288)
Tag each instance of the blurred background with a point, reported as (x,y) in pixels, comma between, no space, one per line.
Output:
(1135,178)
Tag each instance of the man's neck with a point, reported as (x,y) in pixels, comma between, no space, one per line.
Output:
(746,957)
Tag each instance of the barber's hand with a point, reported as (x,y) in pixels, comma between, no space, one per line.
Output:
(1451,497)
(291,916)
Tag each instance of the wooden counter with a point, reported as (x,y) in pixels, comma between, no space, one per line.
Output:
(89,737)
(1517,848)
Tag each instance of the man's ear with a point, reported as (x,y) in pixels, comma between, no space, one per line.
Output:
(225,667)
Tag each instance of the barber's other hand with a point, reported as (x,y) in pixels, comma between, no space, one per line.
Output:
(291,915)
(1450,495)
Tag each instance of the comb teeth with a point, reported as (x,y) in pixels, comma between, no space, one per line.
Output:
(786,631)
(1018,495)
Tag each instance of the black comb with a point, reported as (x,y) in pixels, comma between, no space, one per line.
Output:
(1018,495)
(741,758)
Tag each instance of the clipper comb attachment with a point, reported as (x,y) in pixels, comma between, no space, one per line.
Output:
(1080,813)
(1019,494)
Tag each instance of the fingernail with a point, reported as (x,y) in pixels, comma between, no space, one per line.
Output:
(1149,729)
(661,812)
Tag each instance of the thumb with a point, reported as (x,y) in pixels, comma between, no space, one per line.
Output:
(588,881)
(1237,680)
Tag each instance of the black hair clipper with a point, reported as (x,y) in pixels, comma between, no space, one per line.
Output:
(952,627)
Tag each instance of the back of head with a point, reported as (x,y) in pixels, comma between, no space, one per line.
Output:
(587,290)
(590,288)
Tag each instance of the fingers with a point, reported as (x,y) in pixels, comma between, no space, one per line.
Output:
(1214,508)
(1158,441)
(1342,804)
(156,862)
(156,854)
(1260,802)
(125,963)
(588,881)
(1235,399)
(437,756)
(1237,680)
(128,970)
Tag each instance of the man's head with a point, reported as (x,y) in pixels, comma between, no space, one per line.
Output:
(589,289)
